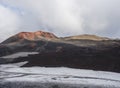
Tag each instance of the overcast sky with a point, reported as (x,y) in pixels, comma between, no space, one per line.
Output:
(62,17)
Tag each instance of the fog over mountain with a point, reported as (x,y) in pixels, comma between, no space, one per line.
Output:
(62,17)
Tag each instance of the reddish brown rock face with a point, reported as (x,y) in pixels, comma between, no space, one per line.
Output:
(30,36)
(35,35)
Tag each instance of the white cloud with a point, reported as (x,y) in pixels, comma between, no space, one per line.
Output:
(8,22)
(69,17)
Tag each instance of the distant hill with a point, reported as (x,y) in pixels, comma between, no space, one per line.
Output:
(87,37)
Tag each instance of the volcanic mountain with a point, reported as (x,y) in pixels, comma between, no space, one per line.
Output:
(31,36)
(81,51)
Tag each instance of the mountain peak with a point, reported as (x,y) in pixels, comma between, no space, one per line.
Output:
(35,35)
(30,36)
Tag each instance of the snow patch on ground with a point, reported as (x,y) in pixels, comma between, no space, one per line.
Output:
(20,54)
(74,78)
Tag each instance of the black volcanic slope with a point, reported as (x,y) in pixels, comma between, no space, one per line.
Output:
(96,58)
(96,53)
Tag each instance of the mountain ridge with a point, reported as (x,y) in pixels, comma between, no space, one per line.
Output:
(38,35)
